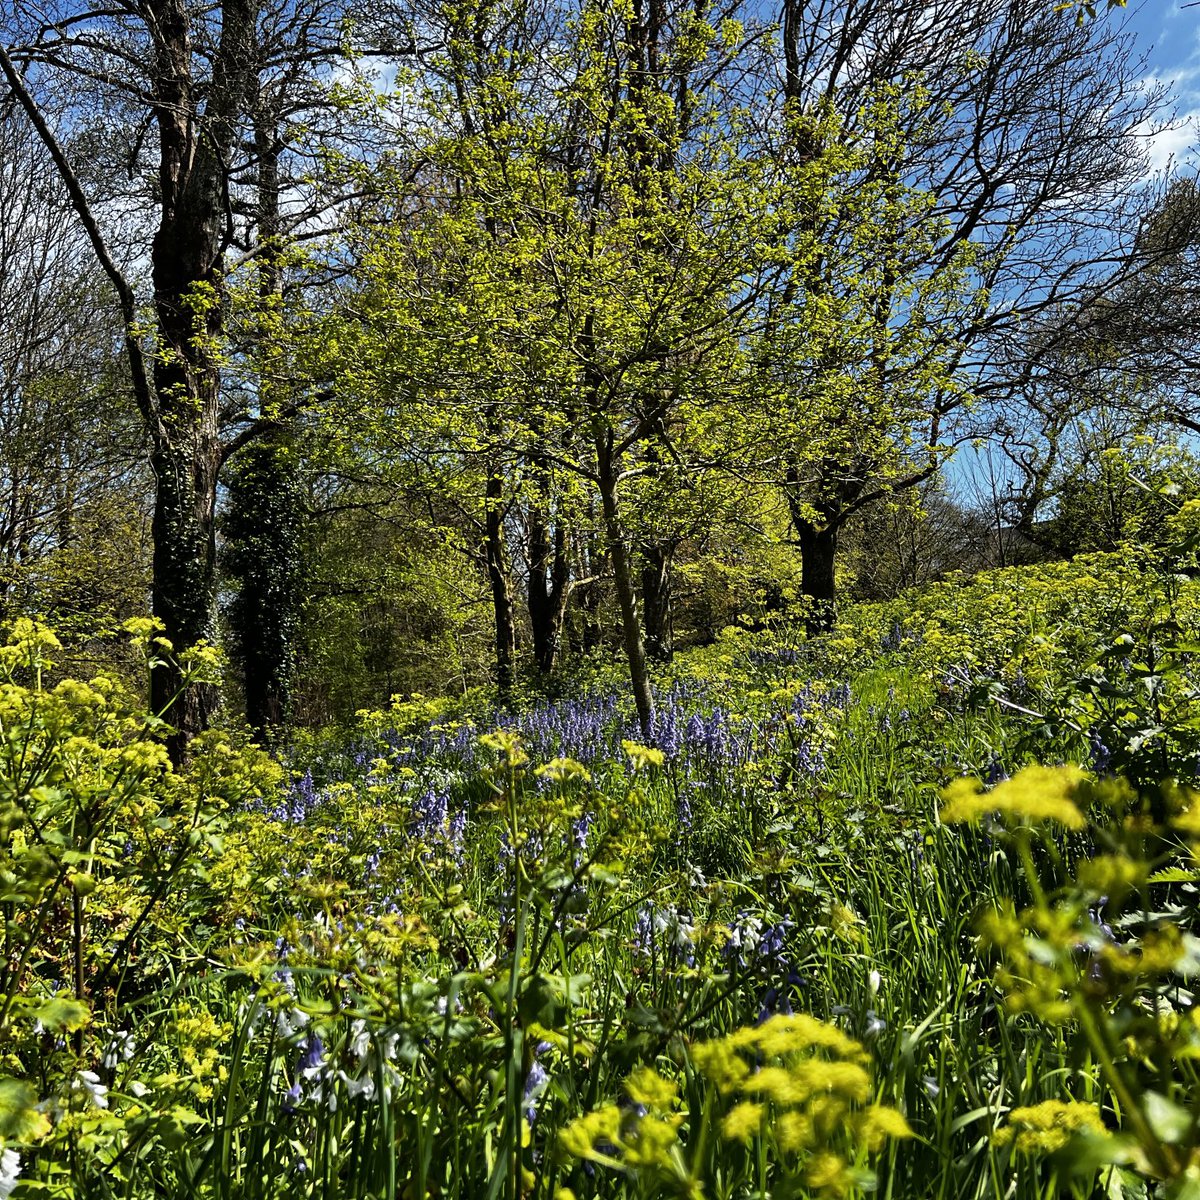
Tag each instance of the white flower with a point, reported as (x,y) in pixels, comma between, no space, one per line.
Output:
(289,1022)
(387,1046)
(874,979)
(363,1087)
(120,1049)
(360,1039)
(89,1082)
(744,934)
(10,1168)
(138,1089)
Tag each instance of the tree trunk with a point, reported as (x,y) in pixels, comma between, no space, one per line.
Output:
(818,559)
(549,583)
(183,588)
(657,600)
(587,595)
(197,127)
(631,627)
(261,554)
(189,299)
(498,579)
(263,522)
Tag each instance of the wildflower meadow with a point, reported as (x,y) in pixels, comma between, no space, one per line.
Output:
(906,909)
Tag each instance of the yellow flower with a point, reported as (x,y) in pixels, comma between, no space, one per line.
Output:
(642,756)
(1033,794)
(581,1136)
(719,1063)
(743,1121)
(1112,875)
(1048,1126)
(505,743)
(646,1086)
(562,770)
(795,1132)
(827,1172)
(1186,803)
(653,1142)
(877,1122)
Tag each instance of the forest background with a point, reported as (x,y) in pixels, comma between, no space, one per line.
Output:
(418,349)
(600,600)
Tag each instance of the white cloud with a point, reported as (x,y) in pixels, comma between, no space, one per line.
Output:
(1177,145)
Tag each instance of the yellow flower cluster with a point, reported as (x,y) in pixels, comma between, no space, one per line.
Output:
(1038,971)
(800,1084)
(1049,1126)
(643,1138)
(1033,795)
(201,1037)
(806,1084)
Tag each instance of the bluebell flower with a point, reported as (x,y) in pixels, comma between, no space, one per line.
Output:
(312,1056)
(535,1083)
(298,801)
(371,867)
(683,813)
(995,773)
(581,830)
(667,930)
(1101,755)
(292,1099)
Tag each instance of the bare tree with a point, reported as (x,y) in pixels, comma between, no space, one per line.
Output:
(68,437)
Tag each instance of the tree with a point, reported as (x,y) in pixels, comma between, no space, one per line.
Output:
(564,297)
(192,74)
(69,444)
(1013,140)
(1142,322)
(857,354)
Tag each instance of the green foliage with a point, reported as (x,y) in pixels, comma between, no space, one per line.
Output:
(1121,495)
(468,953)
(103,849)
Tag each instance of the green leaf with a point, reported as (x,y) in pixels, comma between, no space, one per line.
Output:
(1174,875)
(62,1014)
(547,999)
(1170,1121)
(20,1121)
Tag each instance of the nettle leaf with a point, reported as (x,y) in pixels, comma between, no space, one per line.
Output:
(20,1120)
(1174,875)
(62,1014)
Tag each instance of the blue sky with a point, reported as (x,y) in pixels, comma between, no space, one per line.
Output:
(1168,31)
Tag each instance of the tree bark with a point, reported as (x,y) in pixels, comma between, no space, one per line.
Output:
(186,270)
(183,588)
(261,554)
(658,600)
(263,523)
(631,627)
(498,580)
(818,560)
(549,583)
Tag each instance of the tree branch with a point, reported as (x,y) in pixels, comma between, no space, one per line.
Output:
(79,203)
